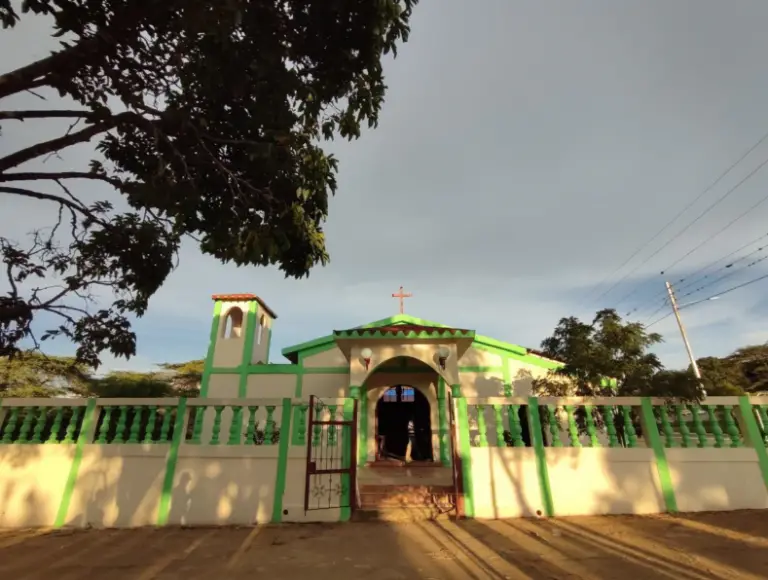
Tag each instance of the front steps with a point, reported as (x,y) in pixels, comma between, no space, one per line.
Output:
(405,493)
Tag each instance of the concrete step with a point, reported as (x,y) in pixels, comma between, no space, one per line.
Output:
(401,514)
(406,496)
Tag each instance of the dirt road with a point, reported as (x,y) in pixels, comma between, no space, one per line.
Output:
(726,545)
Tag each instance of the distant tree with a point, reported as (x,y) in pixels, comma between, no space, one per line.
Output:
(32,374)
(722,377)
(185,377)
(208,118)
(124,384)
(752,364)
(610,357)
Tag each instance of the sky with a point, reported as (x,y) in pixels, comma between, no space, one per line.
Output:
(525,151)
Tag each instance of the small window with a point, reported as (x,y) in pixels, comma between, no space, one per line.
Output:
(233,324)
(390,396)
(407,395)
(262,327)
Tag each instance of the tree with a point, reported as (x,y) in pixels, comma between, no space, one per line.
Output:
(722,377)
(185,377)
(209,118)
(32,374)
(609,357)
(752,365)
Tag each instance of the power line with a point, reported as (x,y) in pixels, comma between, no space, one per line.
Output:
(696,278)
(710,297)
(701,215)
(680,213)
(721,278)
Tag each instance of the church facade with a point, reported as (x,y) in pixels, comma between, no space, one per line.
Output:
(399,369)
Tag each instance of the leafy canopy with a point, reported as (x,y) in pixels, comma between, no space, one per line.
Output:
(208,118)
(610,357)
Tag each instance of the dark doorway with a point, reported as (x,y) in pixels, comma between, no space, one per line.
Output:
(393,411)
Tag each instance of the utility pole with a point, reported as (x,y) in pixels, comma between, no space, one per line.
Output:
(673,301)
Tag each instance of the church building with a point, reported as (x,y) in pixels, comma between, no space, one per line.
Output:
(401,371)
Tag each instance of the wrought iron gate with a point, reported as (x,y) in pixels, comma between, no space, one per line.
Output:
(331,456)
(456,465)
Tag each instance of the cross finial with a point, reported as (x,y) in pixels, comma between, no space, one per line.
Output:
(402,295)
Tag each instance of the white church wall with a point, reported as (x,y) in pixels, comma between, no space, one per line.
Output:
(474,357)
(329,358)
(482,384)
(270,386)
(325,385)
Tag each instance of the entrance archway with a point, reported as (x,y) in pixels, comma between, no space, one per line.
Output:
(395,408)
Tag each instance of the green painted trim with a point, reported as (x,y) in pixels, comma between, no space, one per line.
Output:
(662,466)
(267,369)
(346,460)
(403,319)
(755,437)
(299,385)
(506,377)
(500,345)
(310,344)
(164,509)
(373,333)
(269,343)
(282,461)
(514,355)
(362,450)
(456,390)
(250,336)
(465,451)
(482,369)
(325,370)
(213,336)
(77,459)
(541,457)
(442,417)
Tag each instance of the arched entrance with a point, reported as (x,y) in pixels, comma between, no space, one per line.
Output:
(395,408)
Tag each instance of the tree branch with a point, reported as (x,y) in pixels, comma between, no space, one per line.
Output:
(46,114)
(50,197)
(34,176)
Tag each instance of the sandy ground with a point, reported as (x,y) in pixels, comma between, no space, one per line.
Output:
(726,545)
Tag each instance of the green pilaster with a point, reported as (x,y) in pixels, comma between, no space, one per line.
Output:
(754,436)
(651,430)
(359,394)
(269,342)
(442,416)
(534,423)
(164,509)
(346,460)
(282,461)
(208,367)
(250,336)
(77,459)
(465,452)
(506,376)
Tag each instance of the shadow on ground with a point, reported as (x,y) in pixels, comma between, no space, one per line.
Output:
(731,546)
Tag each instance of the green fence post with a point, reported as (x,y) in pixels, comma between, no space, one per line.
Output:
(164,509)
(534,423)
(651,430)
(282,461)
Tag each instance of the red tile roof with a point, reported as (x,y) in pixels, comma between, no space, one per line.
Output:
(243,298)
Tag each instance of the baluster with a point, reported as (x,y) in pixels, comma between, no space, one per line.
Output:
(197,430)
(629,426)
(10,427)
(481,428)
(26,425)
(149,431)
(685,433)
(269,428)
(250,433)
(763,414)
(317,430)
(121,420)
(40,420)
(216,424)
(591,428)
(515,429)
(138,411)
(165,426)
(573,429)
(666,426)
(554,426)
(497,416)
(69,436)
(715,425)
(331,428)
(610,426)
(730,426)
(106,419)
(53,436)
(698,425)
(302,430)
(236,426)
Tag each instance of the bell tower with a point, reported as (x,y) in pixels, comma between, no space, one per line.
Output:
(240,333)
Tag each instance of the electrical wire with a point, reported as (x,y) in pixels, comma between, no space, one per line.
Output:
(718,294)
(695,279)
(680,213)
(701,215)
(728,275)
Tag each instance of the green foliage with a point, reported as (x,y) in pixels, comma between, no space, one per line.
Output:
(32,374)
(751,363)
(209,118)
(722,377)
(609,347)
